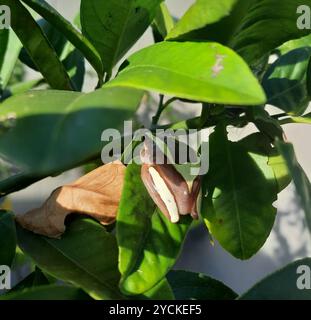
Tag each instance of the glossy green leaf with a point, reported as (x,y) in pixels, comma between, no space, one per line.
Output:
(294,44)
(200,14)
(9,56)
(49,292)
(308,81)
(283,284)
(7,238)
(161,291)
(38,47)
(285,81)
(197,286)
(305,119)
(300,179)
(224,27)
(278,164)
(272,130)
(149,243)
(163,21)
(238,193)
(73,61)
(69,31)
(114,26)
(196,71)
(66,130)
(267,25)
(4,39)
(56,39)
(90,264)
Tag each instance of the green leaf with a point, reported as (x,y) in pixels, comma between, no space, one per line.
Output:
(69,31)
(9,57)
(7,238)
(306,119)
(281,285)
(4,39)
(279,167)
(197,286)
(200,14)
(161,291)
(196,71)
(267,25)
(114,26)
(56,39)
(285,81)
(38,47)
(238,193)
(149,243)
(308,82)
(163,21)
(294,44)
(90,264)
(223,29)
(300,179)
(50,292)
(66,130)
(73,61)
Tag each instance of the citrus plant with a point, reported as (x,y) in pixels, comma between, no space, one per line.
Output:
(218,56)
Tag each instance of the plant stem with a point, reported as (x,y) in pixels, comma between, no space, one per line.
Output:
(161,108)
(100,82)
(286,121)
(205,114)
(108,76)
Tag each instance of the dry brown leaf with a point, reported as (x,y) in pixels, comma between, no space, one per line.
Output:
(97,194)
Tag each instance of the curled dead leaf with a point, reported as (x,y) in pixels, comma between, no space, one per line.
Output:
(96,194)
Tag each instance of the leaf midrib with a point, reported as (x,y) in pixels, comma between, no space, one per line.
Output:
(235,197)
(114,49)
(117,49)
